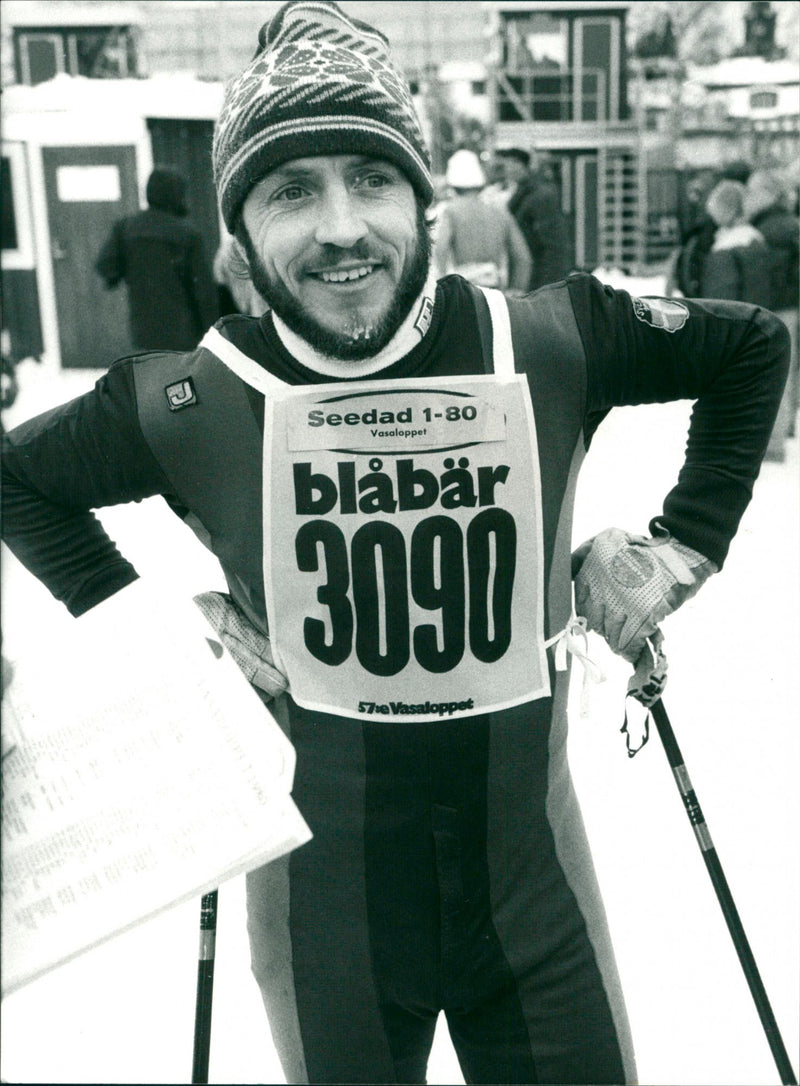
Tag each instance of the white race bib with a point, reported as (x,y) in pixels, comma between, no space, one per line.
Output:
(403,567)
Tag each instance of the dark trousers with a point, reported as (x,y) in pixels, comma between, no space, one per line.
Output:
(433,882)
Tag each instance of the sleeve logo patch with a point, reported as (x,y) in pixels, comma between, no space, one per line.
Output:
(181,394)
(662,313)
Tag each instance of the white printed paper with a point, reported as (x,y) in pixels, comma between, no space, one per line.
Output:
(145,771)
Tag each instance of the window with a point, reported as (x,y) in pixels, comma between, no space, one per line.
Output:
(597,58)
(104,52)
(556,69)
(41,57)
(97,52)
(763,99)
(535,41)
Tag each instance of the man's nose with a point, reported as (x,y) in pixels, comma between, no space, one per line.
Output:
(340,221)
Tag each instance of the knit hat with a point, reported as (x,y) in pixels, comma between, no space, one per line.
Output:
(320,83)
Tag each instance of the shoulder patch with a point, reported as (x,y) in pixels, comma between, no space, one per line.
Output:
(181,394)
(662,313)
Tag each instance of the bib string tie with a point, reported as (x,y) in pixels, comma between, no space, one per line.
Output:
(574,640)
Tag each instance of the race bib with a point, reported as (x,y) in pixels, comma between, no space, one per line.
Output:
(403,546)
(403,553)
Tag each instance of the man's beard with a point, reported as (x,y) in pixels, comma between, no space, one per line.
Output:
(361,340)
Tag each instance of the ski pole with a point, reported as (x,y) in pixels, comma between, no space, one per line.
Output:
(724,896)
(205,987)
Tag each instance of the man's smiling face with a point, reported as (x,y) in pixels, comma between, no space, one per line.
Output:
(338,246)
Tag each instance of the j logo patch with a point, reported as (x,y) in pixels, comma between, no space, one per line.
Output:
(423,321)
(181,394)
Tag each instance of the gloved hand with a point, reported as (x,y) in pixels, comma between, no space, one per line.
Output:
(248,646)
(626,584)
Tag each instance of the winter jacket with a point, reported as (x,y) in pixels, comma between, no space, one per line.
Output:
(743,273)
(781,231)
(695,245)
(535,206)
(172,297)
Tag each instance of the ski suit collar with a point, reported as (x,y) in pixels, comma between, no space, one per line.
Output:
(408,335)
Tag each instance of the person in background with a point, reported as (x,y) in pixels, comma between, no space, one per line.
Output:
(385,467)
(535,203)
(739,265)
(699,229)
(768,207)
(498,190)
(159,255)
(696,238)
(725,205)
(476,239)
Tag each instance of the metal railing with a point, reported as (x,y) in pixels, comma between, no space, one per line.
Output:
(569,94)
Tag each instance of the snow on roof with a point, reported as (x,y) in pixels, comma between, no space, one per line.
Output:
(31,13)
(178,96)
(745,72)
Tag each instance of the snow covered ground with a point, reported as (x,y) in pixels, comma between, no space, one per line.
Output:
(124,1013)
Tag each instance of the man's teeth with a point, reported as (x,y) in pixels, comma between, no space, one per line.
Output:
(344,275)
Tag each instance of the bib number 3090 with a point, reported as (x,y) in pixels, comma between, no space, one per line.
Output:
(370,590)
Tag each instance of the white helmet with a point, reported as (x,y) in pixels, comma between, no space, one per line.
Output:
(464,171)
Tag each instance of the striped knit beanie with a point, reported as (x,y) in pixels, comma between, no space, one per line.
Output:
(320,83)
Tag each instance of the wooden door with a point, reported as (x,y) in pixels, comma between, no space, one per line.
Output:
(88,189)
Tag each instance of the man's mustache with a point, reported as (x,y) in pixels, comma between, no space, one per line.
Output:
(330,256)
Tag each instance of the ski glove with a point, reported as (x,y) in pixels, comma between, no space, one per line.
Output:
(248,646)
(626,584)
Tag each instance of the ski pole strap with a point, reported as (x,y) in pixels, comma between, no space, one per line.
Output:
(645,686)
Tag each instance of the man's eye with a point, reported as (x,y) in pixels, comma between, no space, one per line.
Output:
(290,193)
(373,180)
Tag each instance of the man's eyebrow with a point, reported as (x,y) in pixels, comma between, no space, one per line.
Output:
(374,160)
(291,169)
(288,172)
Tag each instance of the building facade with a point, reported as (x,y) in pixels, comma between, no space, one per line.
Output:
(97,93)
